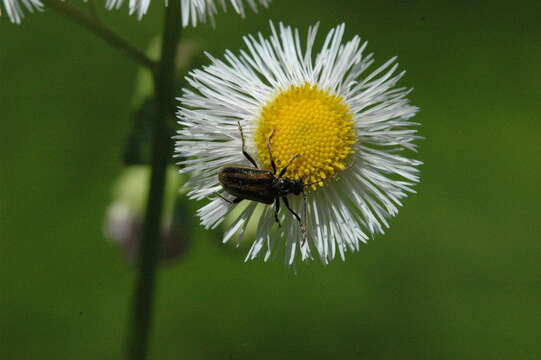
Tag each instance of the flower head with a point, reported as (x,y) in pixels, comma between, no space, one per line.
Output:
(14,8)
(324,120)
(193,11)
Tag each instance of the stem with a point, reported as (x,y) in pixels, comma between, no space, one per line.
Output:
(93,10)
(164,82)
(101,31)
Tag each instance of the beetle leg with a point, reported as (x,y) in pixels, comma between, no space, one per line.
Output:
(290,209)
(276,210)
(270,152)
(283,171)
(250,159)
(304,215)
(303,228)
(234,201)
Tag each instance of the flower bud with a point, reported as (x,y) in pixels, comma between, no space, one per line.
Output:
(124,218)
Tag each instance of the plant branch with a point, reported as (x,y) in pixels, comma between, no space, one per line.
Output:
(101,31)
(93,10)
(164,87)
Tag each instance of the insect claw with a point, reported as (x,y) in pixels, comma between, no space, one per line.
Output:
(277,220)
(303,231)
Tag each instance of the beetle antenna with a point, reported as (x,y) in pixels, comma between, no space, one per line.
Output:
(312,183)
(284,169)
(273,164)
(317,182)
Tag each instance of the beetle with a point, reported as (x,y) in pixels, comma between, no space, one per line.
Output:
(264,186)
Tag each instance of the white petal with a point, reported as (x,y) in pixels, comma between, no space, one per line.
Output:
(14,8)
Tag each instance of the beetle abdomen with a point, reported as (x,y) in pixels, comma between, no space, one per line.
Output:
(248,183)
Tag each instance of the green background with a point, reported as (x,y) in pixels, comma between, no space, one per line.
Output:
(457,275)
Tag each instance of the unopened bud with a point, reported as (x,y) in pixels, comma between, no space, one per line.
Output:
(124,218)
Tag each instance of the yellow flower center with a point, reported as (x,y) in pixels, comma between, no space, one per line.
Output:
(311,122)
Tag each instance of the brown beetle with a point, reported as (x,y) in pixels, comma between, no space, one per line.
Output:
(264,186)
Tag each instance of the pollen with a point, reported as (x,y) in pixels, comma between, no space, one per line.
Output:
(309,127)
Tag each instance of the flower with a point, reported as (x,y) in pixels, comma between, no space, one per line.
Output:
(347,127)
(193,11)
(14,8)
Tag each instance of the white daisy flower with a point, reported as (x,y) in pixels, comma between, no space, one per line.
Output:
(193,11)
(14,8)
(346,126)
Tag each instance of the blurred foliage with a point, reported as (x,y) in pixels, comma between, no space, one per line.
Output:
(455,277)
(138,140)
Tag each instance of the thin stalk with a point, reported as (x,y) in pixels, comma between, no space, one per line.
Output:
(101,31)
(93,10)
(164,85)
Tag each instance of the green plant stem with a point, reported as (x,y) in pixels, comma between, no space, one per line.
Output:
(102,31)
(164,85)
(93,10)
